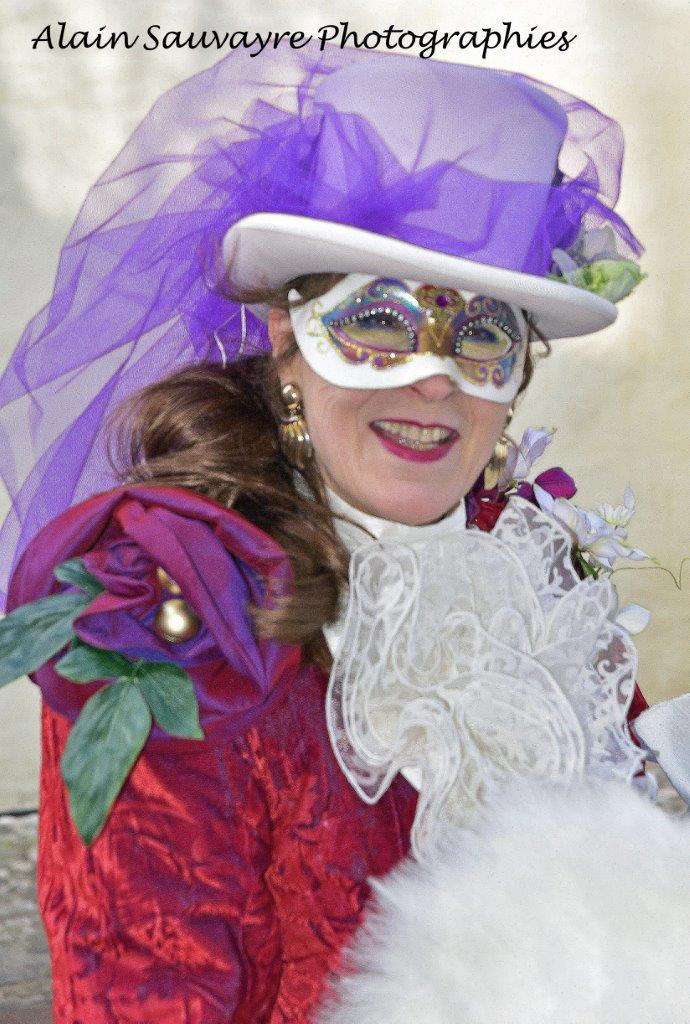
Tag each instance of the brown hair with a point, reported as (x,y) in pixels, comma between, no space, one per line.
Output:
(214,430)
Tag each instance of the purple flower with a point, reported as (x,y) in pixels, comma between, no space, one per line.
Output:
(223,566)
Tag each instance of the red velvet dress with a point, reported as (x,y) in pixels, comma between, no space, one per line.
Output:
(225,881)
(232,870)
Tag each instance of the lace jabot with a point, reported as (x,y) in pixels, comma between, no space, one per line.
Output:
(462,658)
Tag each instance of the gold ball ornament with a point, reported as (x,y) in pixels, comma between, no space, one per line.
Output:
(176,622)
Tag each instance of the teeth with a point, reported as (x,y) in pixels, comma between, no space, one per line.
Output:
(412,436)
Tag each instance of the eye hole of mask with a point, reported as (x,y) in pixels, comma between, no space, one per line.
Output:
(386,330)
(484,340)
(385,316)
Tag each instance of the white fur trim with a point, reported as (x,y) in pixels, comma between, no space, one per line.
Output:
(568,905)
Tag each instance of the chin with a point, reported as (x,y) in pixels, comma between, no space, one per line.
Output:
(413,503)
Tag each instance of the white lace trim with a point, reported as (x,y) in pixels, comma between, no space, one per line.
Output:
(471,657)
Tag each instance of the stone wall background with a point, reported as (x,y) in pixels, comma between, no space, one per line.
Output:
(620,400)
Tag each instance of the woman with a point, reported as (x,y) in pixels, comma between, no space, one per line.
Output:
(398,267)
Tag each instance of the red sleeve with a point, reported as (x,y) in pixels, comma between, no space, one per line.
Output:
(166,918)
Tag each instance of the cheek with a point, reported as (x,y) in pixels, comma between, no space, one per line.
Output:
(486,421)
(335,422)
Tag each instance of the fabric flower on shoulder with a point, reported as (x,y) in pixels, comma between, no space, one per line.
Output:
(130,612)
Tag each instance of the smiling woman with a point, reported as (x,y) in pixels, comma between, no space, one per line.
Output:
(287,648)
(191,430)
(449,406)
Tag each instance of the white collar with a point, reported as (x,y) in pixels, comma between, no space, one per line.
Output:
(358,533)
(462,658)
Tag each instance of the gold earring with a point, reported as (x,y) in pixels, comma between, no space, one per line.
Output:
(494,467)
(292,429)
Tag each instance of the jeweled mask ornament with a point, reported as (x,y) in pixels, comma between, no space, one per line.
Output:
(383,332)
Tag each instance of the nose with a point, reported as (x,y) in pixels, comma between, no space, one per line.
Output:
(435,388)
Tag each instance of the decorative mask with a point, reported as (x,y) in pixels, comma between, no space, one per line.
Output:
(382,332)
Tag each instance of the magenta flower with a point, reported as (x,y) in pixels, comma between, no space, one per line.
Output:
(554,481)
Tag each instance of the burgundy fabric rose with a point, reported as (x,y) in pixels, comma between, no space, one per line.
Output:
(221,564)
(484,506)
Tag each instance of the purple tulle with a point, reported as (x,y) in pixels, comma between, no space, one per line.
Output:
(136,293)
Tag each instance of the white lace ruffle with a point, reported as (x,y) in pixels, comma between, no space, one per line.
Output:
(473,657)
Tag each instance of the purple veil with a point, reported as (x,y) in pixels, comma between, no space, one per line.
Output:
(136,292)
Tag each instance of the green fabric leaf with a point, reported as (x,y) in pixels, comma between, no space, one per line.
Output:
(35,632)
(169,692)
(74,572)
(103,745)
(84,663)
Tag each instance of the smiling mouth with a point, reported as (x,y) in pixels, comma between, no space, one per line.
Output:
(413,435)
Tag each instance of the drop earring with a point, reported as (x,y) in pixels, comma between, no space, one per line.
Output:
(496,464)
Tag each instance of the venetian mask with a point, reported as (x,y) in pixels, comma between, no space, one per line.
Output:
(382,332)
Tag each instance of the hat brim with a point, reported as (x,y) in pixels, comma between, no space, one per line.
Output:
(269,249)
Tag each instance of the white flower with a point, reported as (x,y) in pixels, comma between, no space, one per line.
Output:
(522,457)
(565,263)
(589,247)
(596,244)
(633,618)
(594,262)
(620,516)
(600,532)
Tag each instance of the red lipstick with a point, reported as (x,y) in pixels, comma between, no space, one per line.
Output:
(402,447)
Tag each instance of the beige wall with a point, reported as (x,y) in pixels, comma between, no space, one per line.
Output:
(620,400)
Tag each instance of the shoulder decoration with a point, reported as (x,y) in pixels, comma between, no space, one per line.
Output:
(599,535)
(115,722)
(120,650)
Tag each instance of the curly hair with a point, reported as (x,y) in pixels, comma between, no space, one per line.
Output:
(214,430)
